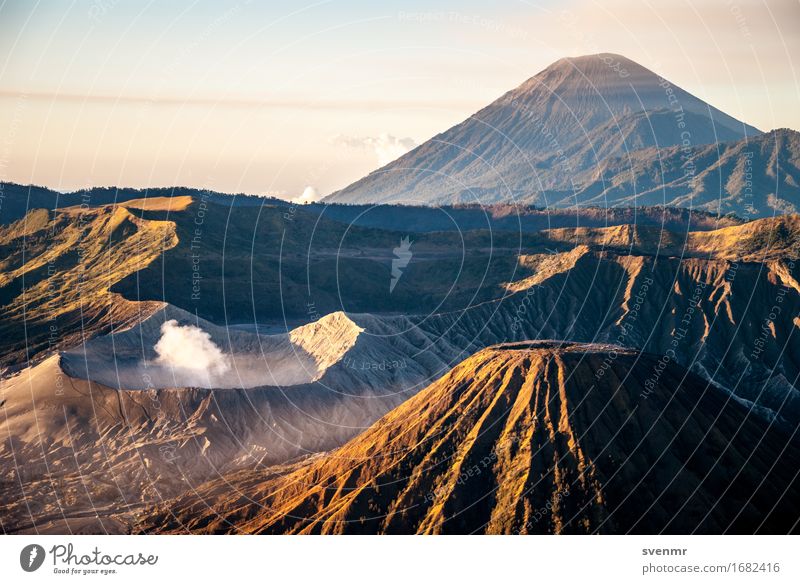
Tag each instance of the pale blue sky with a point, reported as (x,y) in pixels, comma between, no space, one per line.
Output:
(273,97)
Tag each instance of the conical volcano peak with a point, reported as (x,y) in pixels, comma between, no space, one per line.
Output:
(602,86)
(597,67)
(545,141)
(537,423)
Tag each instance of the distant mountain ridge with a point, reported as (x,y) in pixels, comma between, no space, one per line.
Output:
(594,130)
(16,200)
(754,177)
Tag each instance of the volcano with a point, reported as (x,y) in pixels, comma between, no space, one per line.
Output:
(555,135)
(534,437)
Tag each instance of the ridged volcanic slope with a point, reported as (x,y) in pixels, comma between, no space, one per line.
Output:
(530,438)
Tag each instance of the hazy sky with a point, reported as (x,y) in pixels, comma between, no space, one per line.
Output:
(273,97)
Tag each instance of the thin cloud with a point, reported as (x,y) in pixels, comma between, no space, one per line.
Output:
(385,146)
(237,102)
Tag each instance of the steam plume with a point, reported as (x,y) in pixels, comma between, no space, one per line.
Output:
(194,358)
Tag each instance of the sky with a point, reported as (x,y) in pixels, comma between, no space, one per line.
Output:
(298,99)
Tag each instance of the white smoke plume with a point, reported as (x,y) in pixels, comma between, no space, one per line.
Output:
(309,195)
(386,147)
(195,360)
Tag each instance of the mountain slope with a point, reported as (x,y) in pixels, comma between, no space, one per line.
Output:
(754,177)
(525,438)
(56,269)
(536,138)
(707,299)
(107,414)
